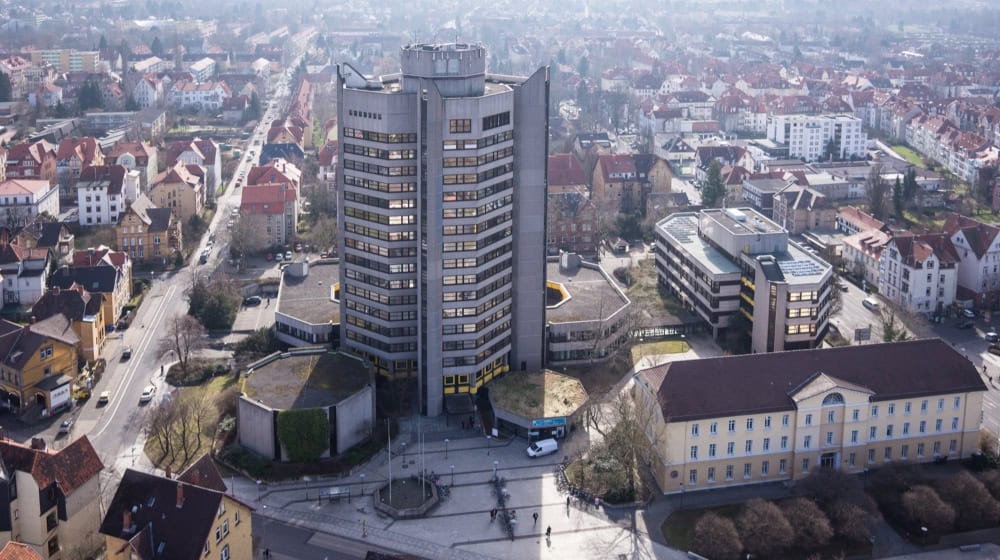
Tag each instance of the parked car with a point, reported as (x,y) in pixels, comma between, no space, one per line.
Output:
(251,301)
(127,353)
(288,255)
(969,313)
(147,394)
(543,447)
(965,325)
(871,304)
(66,426)
(992,337)
(104,398)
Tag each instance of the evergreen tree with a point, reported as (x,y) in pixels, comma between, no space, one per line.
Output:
(910,185)
(156,47)
(5,87)
(131,104)
(90,96)
(583,68)
(898,200)
(103,45)
(713,193)
(254,111)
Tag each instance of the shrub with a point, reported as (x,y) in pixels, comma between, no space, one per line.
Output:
(991,480)
(811,526)
(827,486)
(764,529)
(715,537)
(244,459)
(305,433)
(975,507)
(258,344)
(924,508)
(850,521)
(199,371)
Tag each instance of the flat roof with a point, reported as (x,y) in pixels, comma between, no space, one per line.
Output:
(742,221)
(538,394)
(592,296)
(800,266)
(312,380)
(310,298)
(683,229)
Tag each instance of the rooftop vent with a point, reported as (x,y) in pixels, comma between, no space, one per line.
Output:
(735,214)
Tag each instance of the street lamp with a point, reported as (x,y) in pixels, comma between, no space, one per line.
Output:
(258,491)
(488,438)
(404,453)
(362,476)
(453,475)
(495,465)
(445,448)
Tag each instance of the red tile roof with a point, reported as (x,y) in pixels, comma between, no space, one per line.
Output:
(18,551)
(266,199)
(565,170)
(618,164)
(69,468)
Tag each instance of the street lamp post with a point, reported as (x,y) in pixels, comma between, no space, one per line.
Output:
(495,465)
(404,454)
(488,438)
(453,475)
(445,448)
(362,476)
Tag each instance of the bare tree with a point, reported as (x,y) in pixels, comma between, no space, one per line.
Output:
(323,233)
(628,425)
(763,529)
(891,330)
(877,189)
(715,537)
(247,236)
(185,335)
(811,526)
(974,506)
(160,427)
(924,508)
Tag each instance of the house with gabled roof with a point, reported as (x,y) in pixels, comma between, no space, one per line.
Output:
(978,248)
(39,364)
(72,156)
(199,151)
(161,518)
(100,271)
(919,273)
(85,312)
(53,498)
(103,191)
(136,156)
(147,232)
(180,188)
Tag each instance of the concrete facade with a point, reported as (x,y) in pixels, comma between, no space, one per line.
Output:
(443,169)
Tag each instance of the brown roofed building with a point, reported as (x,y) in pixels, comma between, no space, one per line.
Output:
(800,209)
(158,518)
(53,497)
(32,161)
(85,312)
(919,272)
(182,189)
(146,232)
(790,413)
(18,551)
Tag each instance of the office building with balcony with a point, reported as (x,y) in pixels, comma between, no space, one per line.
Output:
(441,210)
(725,262)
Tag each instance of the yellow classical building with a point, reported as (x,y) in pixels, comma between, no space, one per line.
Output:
(721,422)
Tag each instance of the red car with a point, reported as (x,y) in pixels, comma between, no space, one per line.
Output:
(270,256)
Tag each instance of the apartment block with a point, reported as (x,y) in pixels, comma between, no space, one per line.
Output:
(919,273)
(68,60)
(729,421)
(808,136)
(724,262)
(443,266)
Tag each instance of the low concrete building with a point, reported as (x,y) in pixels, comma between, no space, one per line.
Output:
(537,404)
(588,317)
(340,385)
(308,310)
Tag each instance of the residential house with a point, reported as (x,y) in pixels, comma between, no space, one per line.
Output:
(148,92)
(615,184)
(919,273)
(591,142)
(862,252)
(68,60)
(103,192)
(202,69)
(285,139)
(39,364)
(327,161)
(785,415)
(46,96)
(180,188)
(978,248)
(55,237)
(72,155)
(203,152)
(272,210)
(15,67)
(235,108)
(34,160)
(727,155)
(85,312)
(146,232)
(693,105)
(138,156)
(206,96)
(54,499)
(23,270)
(851,220)
(23,200)
(108,275)
(760,189)
(800,209)
(571,223)
(159,517)
(278,170)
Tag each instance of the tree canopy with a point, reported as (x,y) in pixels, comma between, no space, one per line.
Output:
(713,193)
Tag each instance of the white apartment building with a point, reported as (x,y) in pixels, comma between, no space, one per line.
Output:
(69,60)
(807,136)
(978,248)
(103,192)
(148,92)
(204,96)
(721,262)
(919,273)
(21,200)
(202,69)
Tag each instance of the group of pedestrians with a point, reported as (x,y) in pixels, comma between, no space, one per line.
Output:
(534,516)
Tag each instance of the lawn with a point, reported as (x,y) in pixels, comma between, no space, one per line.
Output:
(198,442)
(657,348)
(935,222)
(538,394)
(909,155)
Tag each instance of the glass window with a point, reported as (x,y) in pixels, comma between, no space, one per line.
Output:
(854,436)
(694,430)
(693,476)
(732,426)
(888,454)
(923,426)
(784,442)
(904,451)
(892,409)
(749,423)
(888,431)
(852,459)
(731,448)
(937,447)
(748,447)
(855,414)
(783,466)
(714,428)
(937,425)
(784,420)
(807,442)
(746,470)
(711,450)
(767,444)
(958,402)
(871,455)
(906,407)
(694,451)
(871,433)
(805,465)
(729,472)
(711,474)
(767,421)
(831,416)
(809,419)
(764,467)
(829,438)
(875,411)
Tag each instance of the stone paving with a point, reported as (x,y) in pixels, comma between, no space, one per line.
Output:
(460,527)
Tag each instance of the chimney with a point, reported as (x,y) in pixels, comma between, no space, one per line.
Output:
(127,521)
(169,472)
(180,495)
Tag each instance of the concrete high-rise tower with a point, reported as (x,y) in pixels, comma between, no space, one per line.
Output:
(441,211)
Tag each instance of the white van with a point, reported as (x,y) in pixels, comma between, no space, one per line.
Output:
(871,303)
(543,447)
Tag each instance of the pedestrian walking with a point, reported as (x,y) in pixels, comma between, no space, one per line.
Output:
(267,553)
(493,515)
(535,517)
(567,502)
(548,532)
